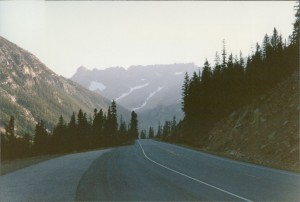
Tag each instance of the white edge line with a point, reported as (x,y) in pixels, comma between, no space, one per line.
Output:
(222,190)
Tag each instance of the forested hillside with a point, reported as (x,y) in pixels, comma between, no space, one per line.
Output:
(224,103)
(233,83)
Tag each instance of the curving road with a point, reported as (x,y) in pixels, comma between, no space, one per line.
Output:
(148,170)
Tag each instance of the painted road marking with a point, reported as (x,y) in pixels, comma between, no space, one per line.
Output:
(187,176)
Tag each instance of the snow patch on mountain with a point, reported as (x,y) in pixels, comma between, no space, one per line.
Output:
(94,85)
(131,90)
(149,96)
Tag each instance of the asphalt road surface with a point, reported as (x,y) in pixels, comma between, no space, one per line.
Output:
(53,180)
(149,170)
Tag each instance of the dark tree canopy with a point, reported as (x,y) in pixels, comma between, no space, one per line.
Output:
(80,133)
(212,94)
(133,130)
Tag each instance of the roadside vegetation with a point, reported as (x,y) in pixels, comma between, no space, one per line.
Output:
(81,133)
(216,92)
(236,86)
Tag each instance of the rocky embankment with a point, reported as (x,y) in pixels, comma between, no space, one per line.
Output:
(265,132)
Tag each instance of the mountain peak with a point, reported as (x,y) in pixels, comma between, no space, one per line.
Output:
(82,69)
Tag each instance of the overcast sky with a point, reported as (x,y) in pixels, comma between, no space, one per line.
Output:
(66,35)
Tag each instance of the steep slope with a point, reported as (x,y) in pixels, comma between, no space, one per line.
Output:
(30,91)
(153,91)
(264,132)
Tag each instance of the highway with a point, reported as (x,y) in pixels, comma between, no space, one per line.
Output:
(152,171)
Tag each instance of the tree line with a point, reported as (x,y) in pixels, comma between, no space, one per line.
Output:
(232,82)
(164,132)
(80,133)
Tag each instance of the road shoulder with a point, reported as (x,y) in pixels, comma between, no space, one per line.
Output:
(52,180)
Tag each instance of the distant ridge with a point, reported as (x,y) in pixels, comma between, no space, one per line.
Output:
(153,91)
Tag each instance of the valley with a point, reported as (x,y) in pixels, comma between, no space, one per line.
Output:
(149,101)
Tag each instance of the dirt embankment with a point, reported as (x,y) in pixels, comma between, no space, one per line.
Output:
(265,132)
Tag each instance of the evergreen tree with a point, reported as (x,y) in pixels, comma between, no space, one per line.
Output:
(111,124)
(3,145)
(72,133)
(296,33)
(218,67)
(107,123)
(151,133)
(82,130)
(72,123)
(10,129)
(8,141)
(26,144)
(193,98)
(59,136)
(133,130)
(266,47)
(230,62)
(114,122)
(159,131)
(217,59)
(185,90)
(81,121)
(275,40)
(98,126)
(224,63)
(95,117)
(123,130)
(40,138)
(241,61)
(143,134)
(173,125)
(166,130)
(206,74)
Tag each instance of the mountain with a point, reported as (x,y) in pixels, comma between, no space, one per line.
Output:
(153,91)
(265,131)
(32,92)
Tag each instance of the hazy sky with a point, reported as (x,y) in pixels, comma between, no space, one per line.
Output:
(65,35)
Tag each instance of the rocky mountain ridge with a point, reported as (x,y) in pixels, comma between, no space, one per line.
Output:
(32,92)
